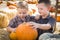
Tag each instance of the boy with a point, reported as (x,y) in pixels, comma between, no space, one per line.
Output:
(22,16)
(45,23)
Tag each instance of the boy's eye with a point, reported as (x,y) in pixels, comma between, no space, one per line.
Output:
(23,13)
(40,9)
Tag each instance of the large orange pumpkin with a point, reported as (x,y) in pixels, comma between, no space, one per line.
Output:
(58,18)
(25,32)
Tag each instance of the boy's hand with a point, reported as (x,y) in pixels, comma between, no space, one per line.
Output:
(13,29)
(34,25)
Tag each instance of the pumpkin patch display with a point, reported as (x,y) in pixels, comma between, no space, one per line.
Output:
(25,32)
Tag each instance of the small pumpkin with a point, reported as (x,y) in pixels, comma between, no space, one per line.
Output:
(13,36)
(4,21)
(1,2)
(11,7)
(58,11)
(30,12)
(33,10)
(32,1)
(52,9)
(58,18)
(25,32)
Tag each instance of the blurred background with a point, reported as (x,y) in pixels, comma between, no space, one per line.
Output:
(10,5)
(8,10)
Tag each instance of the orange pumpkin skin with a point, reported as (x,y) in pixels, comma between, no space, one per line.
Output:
(58,18)
(25,32)
(13,36)
(52,9)
(32,1)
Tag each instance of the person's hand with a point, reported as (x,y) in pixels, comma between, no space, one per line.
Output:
(14,29)
(33,24)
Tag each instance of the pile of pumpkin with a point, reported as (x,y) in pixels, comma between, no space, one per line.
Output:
(4,21)
(8,8)
(24,32)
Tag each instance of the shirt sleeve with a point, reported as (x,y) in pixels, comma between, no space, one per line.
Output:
(32,18)
(52,22)
(12,23)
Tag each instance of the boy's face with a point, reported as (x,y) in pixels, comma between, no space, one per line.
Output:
(22,12)
(42,9)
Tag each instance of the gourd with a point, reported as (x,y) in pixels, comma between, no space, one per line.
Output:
(13,36)
(3,20)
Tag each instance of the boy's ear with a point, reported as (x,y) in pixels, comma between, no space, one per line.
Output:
(36,4)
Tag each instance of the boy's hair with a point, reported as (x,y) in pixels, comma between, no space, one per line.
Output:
(45,1)
(22,5)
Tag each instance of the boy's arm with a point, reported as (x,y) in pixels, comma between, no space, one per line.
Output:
(10,27)
(47,26)
(40,26)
